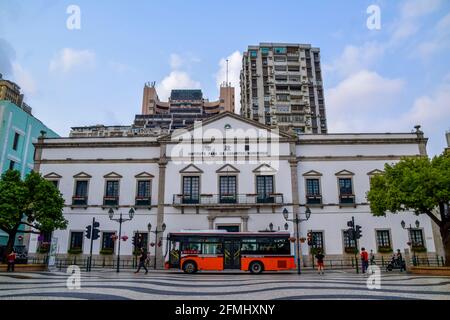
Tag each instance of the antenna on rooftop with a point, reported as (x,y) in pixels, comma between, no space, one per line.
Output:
(227,74)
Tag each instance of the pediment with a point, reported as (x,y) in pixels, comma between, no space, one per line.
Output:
(144,175)
(52,175)
(230,125)
(191,169)
(312,173)
(228,168)
(264,168)
(345,173)
(374,172)
(112,175)
(82,175)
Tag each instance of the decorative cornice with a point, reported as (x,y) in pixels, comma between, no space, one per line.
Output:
(82,175)
(191,169)
(112,175)
(312,173)
(144,175)
(52,175)
(344,173)
(228,168)
(264,168)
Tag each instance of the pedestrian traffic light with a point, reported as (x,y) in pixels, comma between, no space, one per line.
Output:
(358,233)
(88,232)
(350,224)
(96,231)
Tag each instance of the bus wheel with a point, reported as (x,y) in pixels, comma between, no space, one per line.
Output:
(256,267)
(189,267)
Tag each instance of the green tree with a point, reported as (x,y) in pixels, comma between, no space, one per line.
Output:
(33,202)
(418,184)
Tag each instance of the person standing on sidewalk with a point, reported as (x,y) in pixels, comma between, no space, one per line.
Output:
(142,259)
(11,259)
(372,257)
(364,260)
(320,257)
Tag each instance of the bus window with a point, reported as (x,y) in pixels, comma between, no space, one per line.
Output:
(249,246)
(212,248)
(191,248)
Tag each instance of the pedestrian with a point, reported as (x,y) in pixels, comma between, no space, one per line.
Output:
(320,257)
(372,257)
(11,259)
(399,260)
(364,260)
(142,260)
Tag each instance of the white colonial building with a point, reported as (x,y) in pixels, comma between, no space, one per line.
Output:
(228,173)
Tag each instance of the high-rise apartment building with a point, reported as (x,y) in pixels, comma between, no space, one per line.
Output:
(184,107)
(281,86)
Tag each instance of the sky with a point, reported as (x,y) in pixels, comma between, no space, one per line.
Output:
(384,79)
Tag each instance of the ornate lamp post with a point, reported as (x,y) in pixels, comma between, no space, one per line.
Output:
(409,236)
(120,220)
(297,221)
(163,228)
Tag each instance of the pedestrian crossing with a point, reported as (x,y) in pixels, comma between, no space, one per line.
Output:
(173,285)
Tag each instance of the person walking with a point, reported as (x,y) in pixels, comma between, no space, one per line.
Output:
(142,260)
(11,259)
(372,257)
(399,260)
(319,256)
(364,260)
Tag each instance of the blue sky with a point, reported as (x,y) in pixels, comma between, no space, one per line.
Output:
(383,80)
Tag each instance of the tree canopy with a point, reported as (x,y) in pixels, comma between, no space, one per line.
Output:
(417,184)
(34,202)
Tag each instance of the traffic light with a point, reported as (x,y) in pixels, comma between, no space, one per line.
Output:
(309,238)
(350,224)
(88,232)
(358,233)
(351,234)
(96,231)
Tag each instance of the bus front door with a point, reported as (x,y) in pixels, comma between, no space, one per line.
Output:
(174,255)
(232,254)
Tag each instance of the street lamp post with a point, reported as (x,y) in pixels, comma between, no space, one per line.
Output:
(163,228)
(120,220)
(297,221)
(409,237)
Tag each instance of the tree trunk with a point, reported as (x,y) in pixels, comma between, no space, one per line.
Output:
(445,234)
(10,244)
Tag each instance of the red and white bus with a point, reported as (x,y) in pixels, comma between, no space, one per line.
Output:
(256,252)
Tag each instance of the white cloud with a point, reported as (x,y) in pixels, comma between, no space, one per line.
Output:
(176,61)
(24,79)
(439,40)
(68,59)
(175,80)
(432,112)
(355,58)
(234,69)
(410,13)
(354,102)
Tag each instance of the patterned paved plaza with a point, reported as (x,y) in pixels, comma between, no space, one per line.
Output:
(107,284)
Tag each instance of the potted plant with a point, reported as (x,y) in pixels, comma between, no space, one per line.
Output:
(418,248)
(75,251)
(385,250)
(350,250)
(107,251)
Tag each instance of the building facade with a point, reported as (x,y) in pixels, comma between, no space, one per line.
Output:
(228,173)
(185,106)
(19,129)
(281,85)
